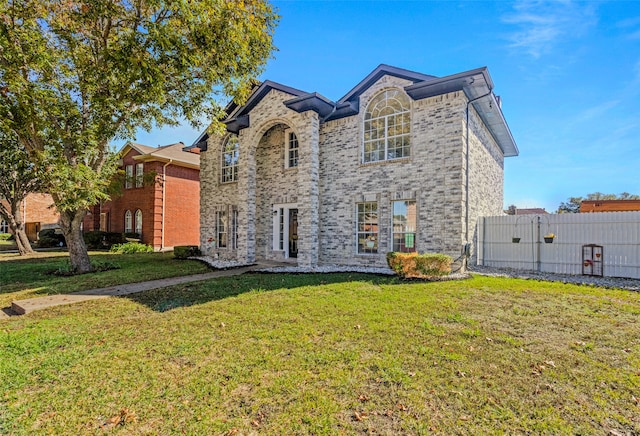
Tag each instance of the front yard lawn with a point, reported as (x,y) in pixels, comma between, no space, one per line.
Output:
(328,354)
(31,276)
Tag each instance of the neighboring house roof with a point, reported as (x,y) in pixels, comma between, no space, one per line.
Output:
(173,153)
(531,211)
(609,206)
(476,84)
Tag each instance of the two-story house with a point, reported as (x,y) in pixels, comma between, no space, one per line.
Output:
(403,162)
(160,199)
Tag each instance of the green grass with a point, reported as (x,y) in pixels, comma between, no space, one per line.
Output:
(8,245)
(328,354)
(26,277)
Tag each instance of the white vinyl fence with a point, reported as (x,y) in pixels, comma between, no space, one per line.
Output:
(612,241)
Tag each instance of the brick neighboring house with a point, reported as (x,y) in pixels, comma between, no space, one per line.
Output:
(403,162)
(38,213)
(609,206)
(165,213)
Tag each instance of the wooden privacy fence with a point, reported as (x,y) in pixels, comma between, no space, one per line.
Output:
(605,243)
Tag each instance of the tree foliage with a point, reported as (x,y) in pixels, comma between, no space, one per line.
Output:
(18,177)
(572,205)
(75,75)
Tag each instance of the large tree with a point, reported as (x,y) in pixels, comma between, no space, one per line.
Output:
(75,75)
(572,205)
(18,177)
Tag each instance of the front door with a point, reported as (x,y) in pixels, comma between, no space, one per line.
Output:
(285,229)
(293,232)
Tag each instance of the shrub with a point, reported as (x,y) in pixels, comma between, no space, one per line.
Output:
(5,236)
(49,238)
(131,248)
(49,242)
(98,239)
(185,251)
(414,265)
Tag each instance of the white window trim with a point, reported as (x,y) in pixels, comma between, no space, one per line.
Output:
(234,168)
(139,175)
(137,225)
(128,177)
(287,148)
(281,210)
(415,230)
(128,221)
(357,253)
(386,138)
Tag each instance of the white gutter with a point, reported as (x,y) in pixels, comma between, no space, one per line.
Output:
(164,189)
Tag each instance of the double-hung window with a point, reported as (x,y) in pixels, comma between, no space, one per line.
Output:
(367,227)
(139,175)
(128,174)
(404,226)
(387,127)
(230,156)
(222,228)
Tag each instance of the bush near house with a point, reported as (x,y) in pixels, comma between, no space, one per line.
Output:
(5,236)
(48,238)
(186,251)
(414,265)
(98,239)
(131,248)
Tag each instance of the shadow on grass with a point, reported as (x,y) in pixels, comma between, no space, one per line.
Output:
(195,293)
(36,274)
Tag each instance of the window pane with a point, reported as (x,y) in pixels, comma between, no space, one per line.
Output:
(387,126)
(230,157)
(367,227)
(404,226)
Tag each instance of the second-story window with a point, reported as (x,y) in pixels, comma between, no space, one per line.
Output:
(139,175)
(230,156)
(387,127)
(128,174)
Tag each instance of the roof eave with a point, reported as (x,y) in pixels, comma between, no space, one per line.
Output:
(314,102)
(178,162)
(475,84)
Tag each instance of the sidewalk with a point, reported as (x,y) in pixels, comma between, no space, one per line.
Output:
(23,307)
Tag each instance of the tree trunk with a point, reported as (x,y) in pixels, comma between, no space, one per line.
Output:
(17,227)
(71,224)
(24,246)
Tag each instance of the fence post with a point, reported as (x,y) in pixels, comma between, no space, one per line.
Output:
(539,242)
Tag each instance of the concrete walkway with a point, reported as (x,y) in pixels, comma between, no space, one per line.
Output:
(23,307)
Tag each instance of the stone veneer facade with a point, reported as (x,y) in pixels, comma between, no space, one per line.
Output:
(331,179)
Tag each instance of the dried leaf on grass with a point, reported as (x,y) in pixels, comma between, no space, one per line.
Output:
(359,416)
(125,416)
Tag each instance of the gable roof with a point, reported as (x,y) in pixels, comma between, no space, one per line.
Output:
(168,153)
(476,84)
(381,71)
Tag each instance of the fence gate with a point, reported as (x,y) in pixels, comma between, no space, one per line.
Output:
(592,260)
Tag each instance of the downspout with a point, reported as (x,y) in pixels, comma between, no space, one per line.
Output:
(466,212)
(164,189)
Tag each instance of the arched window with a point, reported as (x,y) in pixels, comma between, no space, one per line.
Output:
(139,222)
(128,222)
(387,127)
(230,155)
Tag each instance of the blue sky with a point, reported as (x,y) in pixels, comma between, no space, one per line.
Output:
(568,74)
